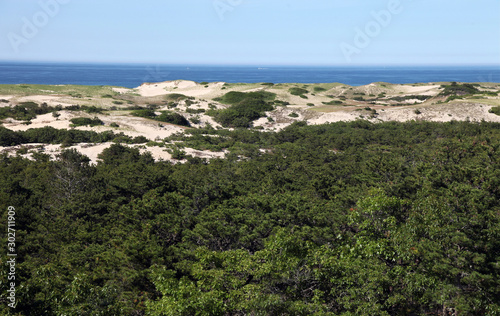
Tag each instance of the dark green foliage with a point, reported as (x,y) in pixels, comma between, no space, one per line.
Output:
(92,109)
(333,102)
(235,97)
(281,103)
(336,219)
(245,107)
(195,111)
(495,110)
(84,121)
(26,111)
(147,113)
(165,116)
(459,89)
(50,135)
(410,97)
(177,97)
(319,89)
(491,93)
(173,118)
(297,91)
(293,114)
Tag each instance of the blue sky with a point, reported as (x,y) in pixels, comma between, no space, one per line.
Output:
(256,32)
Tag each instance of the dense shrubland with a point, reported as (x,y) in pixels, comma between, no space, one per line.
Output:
(338,219)
(165,116)
(245,108)
(50,135)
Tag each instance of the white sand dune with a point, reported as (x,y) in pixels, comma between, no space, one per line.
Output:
(314,109)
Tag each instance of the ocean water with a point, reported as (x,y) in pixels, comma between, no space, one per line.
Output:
(133,75)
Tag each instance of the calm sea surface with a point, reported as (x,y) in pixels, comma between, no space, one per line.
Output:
(133,75)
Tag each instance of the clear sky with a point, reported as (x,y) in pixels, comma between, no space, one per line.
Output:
(256,32)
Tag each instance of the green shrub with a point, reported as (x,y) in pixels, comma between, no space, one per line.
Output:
(235,97)
(172,105)
(459,89)
(91,109)
(178,154)
(173,118)
(84,121)
(246,107)
(147,113)
(195,120)
(495,110)
(26,111)
(177,97)
(319,89)
(281,103)
(293,114)
(195,111)
(333,102)
(297,91)
(410,97)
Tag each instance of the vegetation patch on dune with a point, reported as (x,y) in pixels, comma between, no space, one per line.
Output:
(177,97)
(26,111)
(297,91)
(85,121)
(459,89)
(245,108)
(495,110)
(165,116)
(50,135)
(236,97)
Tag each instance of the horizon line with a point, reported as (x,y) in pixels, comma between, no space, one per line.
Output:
(253,64)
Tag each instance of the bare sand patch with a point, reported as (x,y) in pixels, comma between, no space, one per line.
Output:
(122,90)
(428,90)
(62,122)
